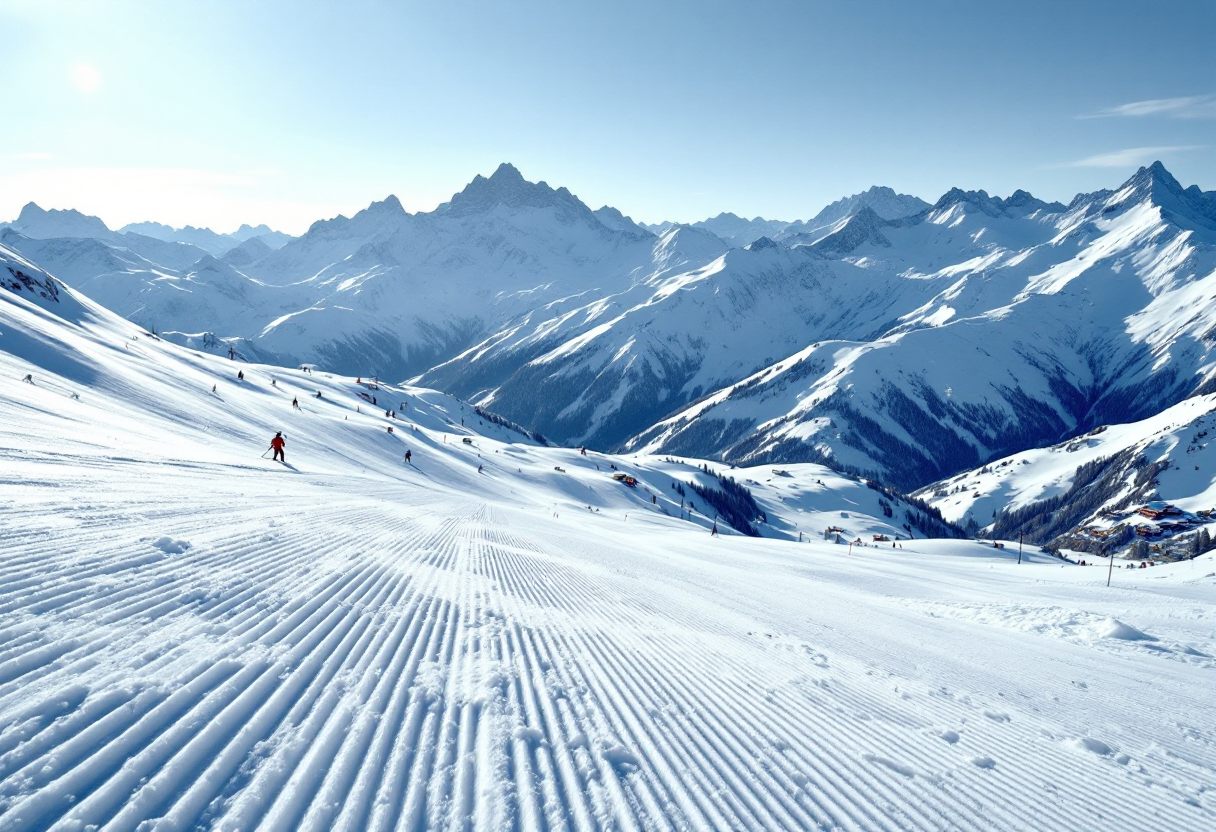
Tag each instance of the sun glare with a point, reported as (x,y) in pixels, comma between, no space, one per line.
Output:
(85,77)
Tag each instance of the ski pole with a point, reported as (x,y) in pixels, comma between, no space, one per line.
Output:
(268,450)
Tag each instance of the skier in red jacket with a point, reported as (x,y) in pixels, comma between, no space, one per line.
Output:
(277,443)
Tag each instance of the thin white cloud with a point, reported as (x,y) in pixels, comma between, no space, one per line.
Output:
(1190,106)
(1131,156)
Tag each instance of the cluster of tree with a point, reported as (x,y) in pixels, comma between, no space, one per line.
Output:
(1095,484)
(733,502)
(920,515)
(502,421)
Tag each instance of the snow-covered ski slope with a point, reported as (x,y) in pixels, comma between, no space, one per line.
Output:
(194,638)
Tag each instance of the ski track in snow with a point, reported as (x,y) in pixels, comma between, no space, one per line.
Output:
(321,660)
(195,639)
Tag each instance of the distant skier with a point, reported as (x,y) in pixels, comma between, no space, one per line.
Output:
(213,388)
(231,353)
(274,383)
(295,402)
(277,444)
(479,469)
(240,375)
(408,457)
(714,531)
(29,378)
(318,394)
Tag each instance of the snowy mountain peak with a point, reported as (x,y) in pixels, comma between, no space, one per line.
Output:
(250,251)
(507,187)
(389,205)
(687,244)
(884,201)
(616,221)
(507,173)
(863,227)
(1019,203)
(762,243)
(1024,202)
(978,199)
(41,224)
(739,231)
(246,231)
(155,230)
(1158,186)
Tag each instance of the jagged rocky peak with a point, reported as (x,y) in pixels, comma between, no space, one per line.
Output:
(379,217)
(740,231)
(1157,185)
(687,243)
(250,251)
(389,205)
(882,200)
(155,230)
(863,227)
(1026,203)
(208,262)
(247,231)
(955,196)
(1020,203)
(617,221)
(39,223)
(507,186)
(762,244)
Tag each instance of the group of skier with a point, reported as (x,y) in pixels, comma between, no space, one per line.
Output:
(278,443)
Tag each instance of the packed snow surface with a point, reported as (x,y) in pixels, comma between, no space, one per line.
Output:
(192,637)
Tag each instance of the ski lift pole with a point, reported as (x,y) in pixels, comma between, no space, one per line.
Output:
(1019,548)
(1111,569)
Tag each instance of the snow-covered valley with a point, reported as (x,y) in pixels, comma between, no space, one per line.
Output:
(500,635)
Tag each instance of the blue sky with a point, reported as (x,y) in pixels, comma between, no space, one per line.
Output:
(219,113)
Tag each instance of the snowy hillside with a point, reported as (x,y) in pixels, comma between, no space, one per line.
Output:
(499,635)
(602,371)
(1084,493)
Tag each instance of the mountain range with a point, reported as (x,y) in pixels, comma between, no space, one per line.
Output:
(886,337)
(41,224)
